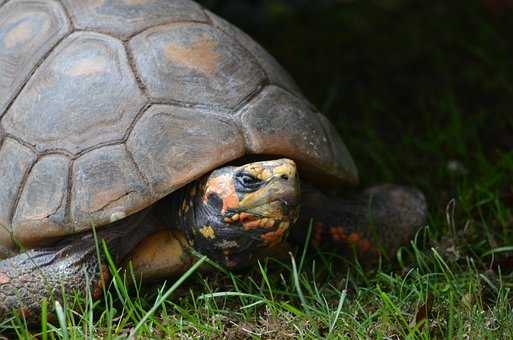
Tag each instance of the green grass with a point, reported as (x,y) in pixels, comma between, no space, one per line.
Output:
(422,95)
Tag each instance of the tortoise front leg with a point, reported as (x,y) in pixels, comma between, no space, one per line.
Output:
(28,278)
(377,221)
(161,255)
(70,266)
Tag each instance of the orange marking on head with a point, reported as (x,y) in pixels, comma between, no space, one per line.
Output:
(231,201)
(245,216)
(255,224)
(274,237)
(268,223)
(224,188)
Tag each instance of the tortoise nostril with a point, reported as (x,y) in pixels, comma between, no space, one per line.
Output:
(285,177)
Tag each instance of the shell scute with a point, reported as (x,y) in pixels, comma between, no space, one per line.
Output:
(83,95)
(28,31)
(123,18)
(42,206)
(274,71)
(106,187)
(15,162)
(174,145)
(195,63)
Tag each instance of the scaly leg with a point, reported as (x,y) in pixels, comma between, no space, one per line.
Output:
(71,265)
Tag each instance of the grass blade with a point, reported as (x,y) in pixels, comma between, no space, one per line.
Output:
(170,291)
(61,317)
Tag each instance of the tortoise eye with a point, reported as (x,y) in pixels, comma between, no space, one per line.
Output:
(246,182)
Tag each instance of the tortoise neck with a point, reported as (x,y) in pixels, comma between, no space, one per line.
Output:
(192,213)
(206,229)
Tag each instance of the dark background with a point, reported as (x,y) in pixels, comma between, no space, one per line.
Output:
(420,90)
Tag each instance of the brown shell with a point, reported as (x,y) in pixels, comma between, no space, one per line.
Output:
(106,106)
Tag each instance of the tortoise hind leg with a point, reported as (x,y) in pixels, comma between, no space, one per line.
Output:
(72,265)
(378,221)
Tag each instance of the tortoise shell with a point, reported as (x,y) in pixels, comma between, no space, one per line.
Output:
(107,106)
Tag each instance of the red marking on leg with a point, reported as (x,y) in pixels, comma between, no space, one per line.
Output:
(274,237)
(4,279)
(252,224)
(245,216)
(231,201)
(338,233)
(354,238)
(334,233)
(364,245)
(317,234)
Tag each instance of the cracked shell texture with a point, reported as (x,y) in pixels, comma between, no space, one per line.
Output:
(106,106)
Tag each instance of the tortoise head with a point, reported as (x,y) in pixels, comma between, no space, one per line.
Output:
(234,212)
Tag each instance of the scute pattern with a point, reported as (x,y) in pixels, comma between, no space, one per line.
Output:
(277,75)
(195,63)
(83,95)
(42,206)
(123,18)
(174,146)
(28,31)
(15,160)
(106,187)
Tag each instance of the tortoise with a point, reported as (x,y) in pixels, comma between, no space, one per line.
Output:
(158,127)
